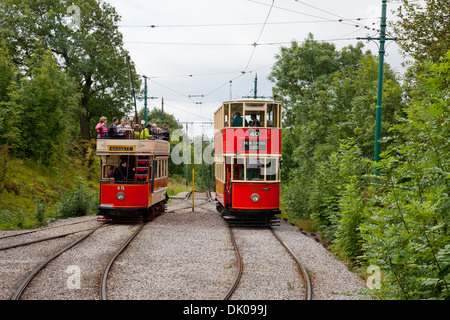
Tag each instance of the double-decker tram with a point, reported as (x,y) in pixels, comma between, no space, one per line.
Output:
(134,177)
(247,155)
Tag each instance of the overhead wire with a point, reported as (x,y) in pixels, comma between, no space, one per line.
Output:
(255,44)
(259,37)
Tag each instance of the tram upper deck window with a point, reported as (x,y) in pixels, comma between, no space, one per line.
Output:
(226,115)
(237,110)
(273,115)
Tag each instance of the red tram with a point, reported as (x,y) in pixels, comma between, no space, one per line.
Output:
(134,177)
(247,155)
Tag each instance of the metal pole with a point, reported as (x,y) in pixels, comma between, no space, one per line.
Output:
(256,86)
(162,109)
(145,99)
(193,189)
(381,53)
(187,172)
(380,83)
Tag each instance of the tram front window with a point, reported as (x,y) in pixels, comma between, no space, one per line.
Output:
(254,118)
(256,169)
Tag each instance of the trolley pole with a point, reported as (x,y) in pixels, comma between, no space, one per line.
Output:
(381,53)
(255,90)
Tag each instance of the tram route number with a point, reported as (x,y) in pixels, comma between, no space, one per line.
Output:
(255,145)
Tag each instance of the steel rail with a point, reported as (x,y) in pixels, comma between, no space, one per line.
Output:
(42,240)
(104,277)
(303,270)
(30,277)
(43,229)
(240,268)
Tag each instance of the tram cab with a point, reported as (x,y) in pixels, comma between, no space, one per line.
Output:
(137,191)
(247,154)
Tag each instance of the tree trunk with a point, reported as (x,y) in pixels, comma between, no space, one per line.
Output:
(85,117)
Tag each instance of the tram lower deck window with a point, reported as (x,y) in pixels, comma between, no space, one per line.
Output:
(256,169)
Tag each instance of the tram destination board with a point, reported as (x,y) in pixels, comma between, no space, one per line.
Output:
(121,148)
(255,145)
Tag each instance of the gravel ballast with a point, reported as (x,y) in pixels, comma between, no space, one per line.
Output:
(179,255)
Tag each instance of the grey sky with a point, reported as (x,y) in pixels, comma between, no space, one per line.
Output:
(198,46)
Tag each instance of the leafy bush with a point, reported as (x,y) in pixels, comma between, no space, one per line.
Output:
(12,219)
(406,232)
(79,201)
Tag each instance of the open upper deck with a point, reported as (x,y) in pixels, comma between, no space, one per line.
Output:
(248,113)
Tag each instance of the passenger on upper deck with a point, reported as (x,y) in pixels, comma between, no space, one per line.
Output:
(254,122)
(112,130)
(145,134)
(137,135)
(101,128)
(165,134)
(237,120)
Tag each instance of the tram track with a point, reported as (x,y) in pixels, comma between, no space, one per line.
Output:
(41,230)
(18,293)
(240,264)
(202,205)
(42,239)
(104,278)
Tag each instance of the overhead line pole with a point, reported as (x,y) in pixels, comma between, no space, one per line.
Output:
(145,98)
(381,53)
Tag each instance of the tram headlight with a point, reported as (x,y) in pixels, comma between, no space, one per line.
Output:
(255,197)
(120,196)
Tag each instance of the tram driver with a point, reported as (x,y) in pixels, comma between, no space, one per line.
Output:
(123,172)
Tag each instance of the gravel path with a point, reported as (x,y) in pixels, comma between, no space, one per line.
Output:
(179,255)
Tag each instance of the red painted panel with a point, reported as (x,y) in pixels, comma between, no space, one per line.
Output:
(248,141)
(136,195)
(269,194)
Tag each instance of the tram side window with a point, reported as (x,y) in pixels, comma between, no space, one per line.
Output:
(109,172)
(272,115)
(238,169)
(226,113)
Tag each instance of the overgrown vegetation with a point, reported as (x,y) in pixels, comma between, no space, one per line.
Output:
(397,220)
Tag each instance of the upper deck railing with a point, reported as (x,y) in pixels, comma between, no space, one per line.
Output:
(132,146)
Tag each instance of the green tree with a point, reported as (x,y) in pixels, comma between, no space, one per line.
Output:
(156,116)
(39,113)
(89,49)
(406,232)
(423,29)
(328,96)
